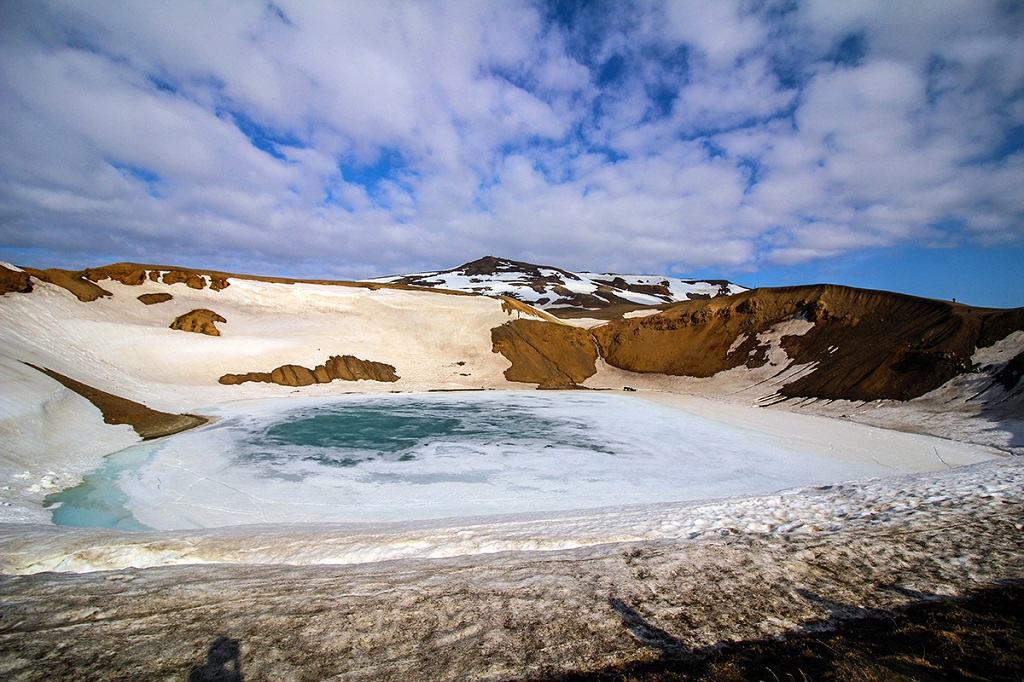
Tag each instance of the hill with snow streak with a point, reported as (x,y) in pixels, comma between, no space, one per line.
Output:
(552,288)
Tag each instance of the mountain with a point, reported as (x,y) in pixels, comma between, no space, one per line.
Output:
(558,290)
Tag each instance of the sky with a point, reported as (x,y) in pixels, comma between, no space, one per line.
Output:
(875,143)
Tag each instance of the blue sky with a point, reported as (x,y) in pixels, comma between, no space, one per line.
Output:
(872,143)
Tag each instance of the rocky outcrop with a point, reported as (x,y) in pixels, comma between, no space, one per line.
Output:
(190,279)
(147,422)
(132,274)
(865,345)
(201,321)
(14,282)
(126,273)
(151,299)
(342,367)
(550,354)
(83,283)
(75,282)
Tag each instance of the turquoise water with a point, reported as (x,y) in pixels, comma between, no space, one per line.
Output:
(98,502)
(348,434)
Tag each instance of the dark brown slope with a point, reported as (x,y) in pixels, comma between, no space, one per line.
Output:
(868,345)
(147,422)
(550,354)
(12,281)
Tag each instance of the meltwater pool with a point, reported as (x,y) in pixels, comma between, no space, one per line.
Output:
(408,457)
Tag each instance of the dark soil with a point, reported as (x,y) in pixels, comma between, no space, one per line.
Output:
(979,637)
(147,422)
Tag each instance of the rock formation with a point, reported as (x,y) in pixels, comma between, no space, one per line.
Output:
(150,299)
(550,354)
(343,367)
(12,281)
(75,282)
(200,321)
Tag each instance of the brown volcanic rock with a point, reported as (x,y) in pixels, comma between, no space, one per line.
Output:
(151,299)
(351,368)
(14,282)
(125,273)
(235,379)
(868,345)
(134,274)
(147,422)
(550,354)
(191,279)
(75,282)
(343,367)
(292,375)
(200,321)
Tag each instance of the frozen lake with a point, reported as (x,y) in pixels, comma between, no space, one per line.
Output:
(407,457)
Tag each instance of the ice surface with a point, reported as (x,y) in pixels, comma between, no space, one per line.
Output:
(407,458)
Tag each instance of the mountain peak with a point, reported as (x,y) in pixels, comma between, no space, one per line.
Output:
(552,288)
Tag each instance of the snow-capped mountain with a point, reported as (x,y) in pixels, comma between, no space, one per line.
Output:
(550,288)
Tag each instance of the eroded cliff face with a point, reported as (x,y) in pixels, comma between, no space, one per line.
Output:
(550,354)
(12,281)
(343,367)
(865,345)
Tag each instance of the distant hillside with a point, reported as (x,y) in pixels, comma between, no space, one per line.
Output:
(555,289)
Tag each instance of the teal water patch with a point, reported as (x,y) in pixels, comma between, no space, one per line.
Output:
(350,433)
(98,501)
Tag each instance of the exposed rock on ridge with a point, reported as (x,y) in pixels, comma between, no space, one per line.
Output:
(344,367)
(201,321)
(550,354)
(12,281)
(132,274)
(75,282)
(868,345)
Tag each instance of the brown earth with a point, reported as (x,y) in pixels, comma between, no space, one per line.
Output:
(151,299)
(82,282)
(200,321)
(147,422)
(868,345)
(14,282)
(978,637)
(73,281)
(553,355)
(343,367)
(133,274)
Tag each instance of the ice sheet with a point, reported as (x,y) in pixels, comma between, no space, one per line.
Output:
(503,452)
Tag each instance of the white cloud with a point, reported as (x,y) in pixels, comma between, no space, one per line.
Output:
(641,137)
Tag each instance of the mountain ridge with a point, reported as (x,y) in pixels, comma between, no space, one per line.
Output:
(555,289)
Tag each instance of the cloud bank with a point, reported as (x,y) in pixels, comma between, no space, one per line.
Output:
(359,139)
